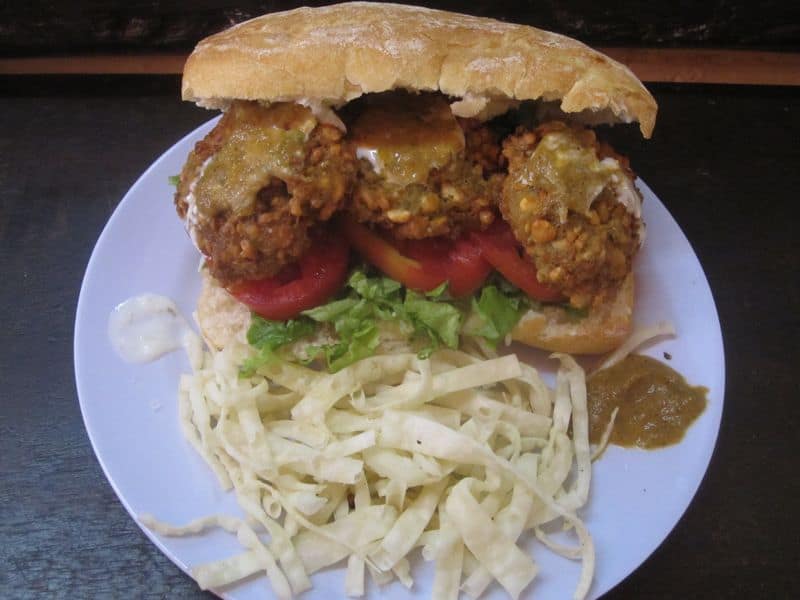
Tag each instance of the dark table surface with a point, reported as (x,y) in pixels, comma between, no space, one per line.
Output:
(726,162)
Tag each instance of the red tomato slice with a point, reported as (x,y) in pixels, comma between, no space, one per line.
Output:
(459,262)
(301,286)
(501,249)
(422,265)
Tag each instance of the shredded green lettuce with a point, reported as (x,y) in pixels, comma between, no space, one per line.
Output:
(360,344)
(499,312)
(372,299)
(332,310)
(267,336)
(263,357)
(432,320)
(174,180)
(436,320)
(274,334)
(377,289)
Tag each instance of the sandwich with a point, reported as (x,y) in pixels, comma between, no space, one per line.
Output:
(449,160)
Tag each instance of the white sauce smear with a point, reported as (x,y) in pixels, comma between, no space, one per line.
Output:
(371,155)
(145,327)
(192,215)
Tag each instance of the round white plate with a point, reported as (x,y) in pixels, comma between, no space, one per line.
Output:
(130,411)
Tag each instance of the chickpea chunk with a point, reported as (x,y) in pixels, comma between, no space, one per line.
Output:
(572,235)
(316,155)
(617,259)
(398,215)
(452,193)
(555,274)
(580,300)
(439,222)
(247,249)
(486,217)
(526,204)
(429,204)
(542,231)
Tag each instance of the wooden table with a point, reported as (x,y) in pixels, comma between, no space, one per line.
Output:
(724,159)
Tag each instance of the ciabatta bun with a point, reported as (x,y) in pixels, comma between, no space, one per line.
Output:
(220,316)
(603,329)
(337,53)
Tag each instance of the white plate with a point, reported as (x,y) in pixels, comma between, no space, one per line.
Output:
(130,410)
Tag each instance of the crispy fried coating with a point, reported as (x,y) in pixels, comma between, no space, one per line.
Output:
(253,188)
(562,204)
(423,173)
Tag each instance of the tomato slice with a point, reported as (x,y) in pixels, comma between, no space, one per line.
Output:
(459,262)
(318,275)
(422,265)
(501,249)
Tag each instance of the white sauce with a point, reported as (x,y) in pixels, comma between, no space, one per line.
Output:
(145,327)
(371,155)
(323,113)
(627,195)
(482,107)
(192,217)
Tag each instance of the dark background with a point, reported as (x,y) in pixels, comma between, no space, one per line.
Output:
(41,27)
(724,159)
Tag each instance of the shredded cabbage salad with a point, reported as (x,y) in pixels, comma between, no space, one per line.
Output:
(453,453)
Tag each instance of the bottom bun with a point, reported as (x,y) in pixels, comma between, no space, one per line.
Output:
(222,318)
(605,328)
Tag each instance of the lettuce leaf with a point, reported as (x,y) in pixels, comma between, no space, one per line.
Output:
(267,336)
(332,310)
(440,322)
(499,311)
(377,289)
(372,299)
(360,344)
(271,335)
(263,357)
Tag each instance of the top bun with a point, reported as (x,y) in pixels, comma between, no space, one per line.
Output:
(334,54)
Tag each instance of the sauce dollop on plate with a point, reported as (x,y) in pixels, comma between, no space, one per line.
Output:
(656,404)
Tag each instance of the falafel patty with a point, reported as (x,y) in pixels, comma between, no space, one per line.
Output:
(572,204)
(422,173)
(253,188)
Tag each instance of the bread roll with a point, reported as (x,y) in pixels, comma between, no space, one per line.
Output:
(605,327)
(334,54)
(221,317)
